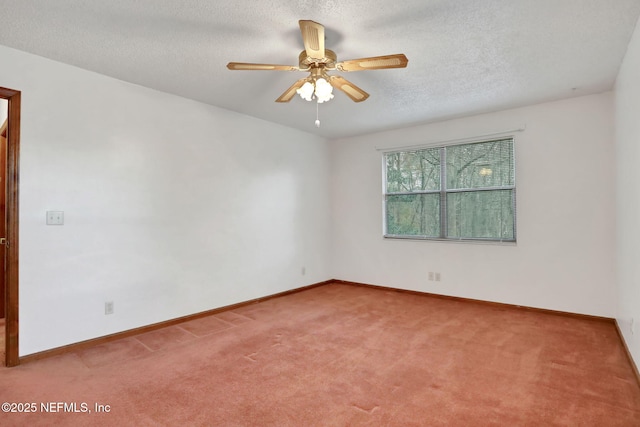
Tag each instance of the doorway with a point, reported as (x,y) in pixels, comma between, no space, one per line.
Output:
(9,241)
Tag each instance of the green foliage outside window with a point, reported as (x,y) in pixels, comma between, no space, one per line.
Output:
(477,200)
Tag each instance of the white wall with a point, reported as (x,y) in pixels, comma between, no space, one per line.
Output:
(171,207)
(564,257)
(627,107)
(3,110)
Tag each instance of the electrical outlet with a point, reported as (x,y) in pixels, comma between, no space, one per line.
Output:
(108,307)
(431,275)
(304,270)
(437,277)
(632,326)
(55,218)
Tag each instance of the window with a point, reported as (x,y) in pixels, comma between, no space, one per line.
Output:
(457,192)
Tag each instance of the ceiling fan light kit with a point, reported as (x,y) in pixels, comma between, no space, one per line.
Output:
(320,89)
(317,60)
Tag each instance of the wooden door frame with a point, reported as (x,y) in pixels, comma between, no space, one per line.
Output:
(3,208)
(11,260)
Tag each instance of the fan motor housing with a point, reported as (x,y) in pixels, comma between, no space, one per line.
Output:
(328,62)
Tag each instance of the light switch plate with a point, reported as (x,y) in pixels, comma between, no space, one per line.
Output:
(55,217)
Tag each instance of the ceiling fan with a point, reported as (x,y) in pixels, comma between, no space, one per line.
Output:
(317,61)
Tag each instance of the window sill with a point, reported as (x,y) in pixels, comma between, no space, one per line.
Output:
(471,241)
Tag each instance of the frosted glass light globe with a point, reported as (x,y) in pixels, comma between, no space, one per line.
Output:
(306,91)
(323,90)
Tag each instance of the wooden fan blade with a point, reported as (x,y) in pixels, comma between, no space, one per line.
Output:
(374,63)
(352,91)
(291,92)
(250,66)
(313,38)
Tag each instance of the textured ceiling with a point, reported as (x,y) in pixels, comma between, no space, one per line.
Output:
(465,56)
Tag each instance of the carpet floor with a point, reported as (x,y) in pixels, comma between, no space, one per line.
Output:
(340,355)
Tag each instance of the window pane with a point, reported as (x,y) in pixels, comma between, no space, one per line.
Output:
(413,171)
(414,215)
(480,214)
(486,164)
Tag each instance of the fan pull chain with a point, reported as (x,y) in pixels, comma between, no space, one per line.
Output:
(317,115)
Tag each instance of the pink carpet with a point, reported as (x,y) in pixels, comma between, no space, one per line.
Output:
(341,355)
